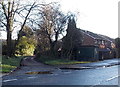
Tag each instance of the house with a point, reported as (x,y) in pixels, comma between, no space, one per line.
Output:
(95,47)
(84,45)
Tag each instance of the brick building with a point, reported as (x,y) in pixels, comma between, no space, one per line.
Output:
(96,46)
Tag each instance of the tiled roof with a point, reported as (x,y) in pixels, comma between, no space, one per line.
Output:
(107,38)
(97,36)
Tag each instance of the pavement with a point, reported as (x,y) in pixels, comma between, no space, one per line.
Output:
(104,63)
(30,65)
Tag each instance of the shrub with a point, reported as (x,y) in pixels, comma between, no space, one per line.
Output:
(25,47)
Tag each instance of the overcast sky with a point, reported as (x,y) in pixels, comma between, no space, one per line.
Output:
(98,16)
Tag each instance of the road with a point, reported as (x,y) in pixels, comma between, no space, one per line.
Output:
(95,76)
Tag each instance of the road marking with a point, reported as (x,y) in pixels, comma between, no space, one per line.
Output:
(105,80)
(112,78)
(9,80)
(31,77)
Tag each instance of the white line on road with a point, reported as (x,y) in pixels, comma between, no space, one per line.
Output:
(9,80)
(31,77)
(112,78)
(54,74)
(106,80)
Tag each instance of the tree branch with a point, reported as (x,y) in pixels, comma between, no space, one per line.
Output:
(5,12)
(3,23)
(27,16)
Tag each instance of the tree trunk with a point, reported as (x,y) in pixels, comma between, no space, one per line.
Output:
(51,48)
(9,43)
(9,36)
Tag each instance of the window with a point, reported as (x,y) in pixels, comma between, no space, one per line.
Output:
(103,42)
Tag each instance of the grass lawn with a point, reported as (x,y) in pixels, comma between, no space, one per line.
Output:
(52,61)
(7,64)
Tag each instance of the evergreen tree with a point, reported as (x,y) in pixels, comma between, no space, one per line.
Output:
(72,40)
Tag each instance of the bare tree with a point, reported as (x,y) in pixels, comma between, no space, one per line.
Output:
(7,20)
(10,12)
(53,23)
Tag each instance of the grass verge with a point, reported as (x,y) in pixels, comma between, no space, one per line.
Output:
(8,64)
(53,61)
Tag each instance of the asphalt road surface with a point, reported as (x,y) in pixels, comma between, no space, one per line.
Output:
(97,76)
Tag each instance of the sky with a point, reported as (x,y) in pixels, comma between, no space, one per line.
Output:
(98,16)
